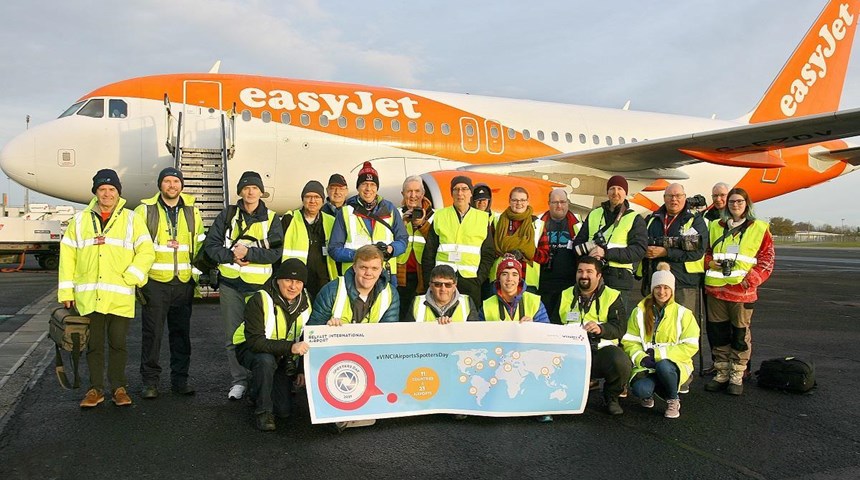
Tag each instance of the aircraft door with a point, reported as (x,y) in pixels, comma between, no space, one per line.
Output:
(494,136)
(201,125)
(470,140)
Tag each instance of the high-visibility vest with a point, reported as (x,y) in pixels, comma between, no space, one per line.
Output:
(748,242)
(676,338)
(173,262)
(357,235)
(616,235)
(99,269)
(532,268)
(693,266)
(416,242)
(463,239)
(275,322)
(423,313)
(598,311)
(529,307)
(254,273)
(343,306)
(296,243)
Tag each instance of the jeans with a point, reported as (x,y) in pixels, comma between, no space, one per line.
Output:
(664,380)
(232,313)
(116,330)
(270,385)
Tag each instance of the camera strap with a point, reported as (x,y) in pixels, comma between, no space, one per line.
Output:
(503,311)
(728,233)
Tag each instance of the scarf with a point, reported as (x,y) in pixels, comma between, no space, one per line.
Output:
(523,239)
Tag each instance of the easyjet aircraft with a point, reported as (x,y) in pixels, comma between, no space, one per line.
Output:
(215,126)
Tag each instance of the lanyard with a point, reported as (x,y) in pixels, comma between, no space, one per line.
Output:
(585,306)
(97,224)
(666,225)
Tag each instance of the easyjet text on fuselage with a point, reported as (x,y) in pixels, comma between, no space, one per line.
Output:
(358,103)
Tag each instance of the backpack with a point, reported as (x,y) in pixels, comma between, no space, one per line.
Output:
(70,332)
(787,373)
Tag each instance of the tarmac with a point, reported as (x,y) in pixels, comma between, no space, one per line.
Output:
(809,308)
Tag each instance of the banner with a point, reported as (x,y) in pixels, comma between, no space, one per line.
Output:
(498,369)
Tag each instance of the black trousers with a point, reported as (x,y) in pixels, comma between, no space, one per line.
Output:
(612,365)
(170,302)
(551,297)
(408,293)
(470,287)
(270,384)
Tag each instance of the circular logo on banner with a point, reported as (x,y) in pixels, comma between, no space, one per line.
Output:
(347,381)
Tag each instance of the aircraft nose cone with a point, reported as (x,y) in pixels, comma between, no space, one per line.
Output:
(17,160)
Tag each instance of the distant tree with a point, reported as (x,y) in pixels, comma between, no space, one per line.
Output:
(827,228)
(782,226)
(803,227)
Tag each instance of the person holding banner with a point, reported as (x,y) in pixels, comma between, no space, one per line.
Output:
(599,310)
(268,341)
(511,302)
(442,303)
(662,337)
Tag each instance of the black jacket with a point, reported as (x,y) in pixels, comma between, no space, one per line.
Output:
(255,321)
(676,256)
(637,240)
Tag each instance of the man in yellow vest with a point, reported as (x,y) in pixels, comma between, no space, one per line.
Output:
(176,228)
(511,302)
(337,191)
(368,219)
(245,240)
(460,237)
(268,342)
(719,195)
(442,303)
(104,255)
(417,212)
(306,234)
(616,234)
(599,310)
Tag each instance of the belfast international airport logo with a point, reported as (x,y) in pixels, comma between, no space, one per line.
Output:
(347,381)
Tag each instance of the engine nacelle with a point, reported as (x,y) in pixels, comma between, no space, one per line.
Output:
(438,185)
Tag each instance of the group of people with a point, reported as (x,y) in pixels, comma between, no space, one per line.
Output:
(362,259)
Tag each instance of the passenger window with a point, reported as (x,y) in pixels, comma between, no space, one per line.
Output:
(540,135)
(94,108)
(71,110)
(446,129)
(634,140)
(246,115)
(285,118)
(413,126)
(608,140)
(526,134)
(494,132)
(470,130)
(305,119)
(621,141)
(428,127)
(395,125)
(568,137)
(359,123)
(266,117)
(554,136)
(377,124)
(117,108)
(323,121)
(582,138)
(595,139)
(512,134)
(341,122)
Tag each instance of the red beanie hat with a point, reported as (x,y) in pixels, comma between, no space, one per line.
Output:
(508,262)
(617,181)
(367,174)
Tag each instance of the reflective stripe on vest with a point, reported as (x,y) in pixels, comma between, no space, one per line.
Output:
(343,307)
(275,322)
(422,313)
(296,243)
(357,235)
(659,347)
(748,244)
(616,235)
(463,239)
(693,266)
(531,305)
(254,273)
(171,262)
(416,242)
(607,297)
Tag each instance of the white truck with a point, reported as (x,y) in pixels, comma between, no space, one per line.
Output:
(35,230)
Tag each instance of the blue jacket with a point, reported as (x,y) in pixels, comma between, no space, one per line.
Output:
(324,302)
(383,208)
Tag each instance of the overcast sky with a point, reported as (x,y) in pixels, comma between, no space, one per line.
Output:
(692,58)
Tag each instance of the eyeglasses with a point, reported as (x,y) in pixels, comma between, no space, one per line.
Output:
(519,200)
(443,284)
(559,202)
(313,198)
(719,195)
(738,201)
(677,195)
(460,189)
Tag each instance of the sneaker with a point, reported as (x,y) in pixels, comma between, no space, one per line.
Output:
(341,426)
(236,392)
(612,406)
(647,402)
(673,408)
(544,419)
(149,392)
(120,397)
(92,398)
(685,387)
(623,393)
(265,422)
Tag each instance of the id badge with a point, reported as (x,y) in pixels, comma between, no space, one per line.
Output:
(174,244)
(733,249)
(324,251)
(453,256)
(573,317)
(100,240)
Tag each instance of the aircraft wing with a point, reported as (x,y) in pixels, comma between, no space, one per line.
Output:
(750,146)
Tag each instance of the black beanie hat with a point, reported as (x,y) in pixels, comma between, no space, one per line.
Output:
(292,269)
(461,179)
(313,187)
(250,178)
(170,172)
(106,176)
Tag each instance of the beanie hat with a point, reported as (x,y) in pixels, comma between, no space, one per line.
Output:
(250,178)
(617,181)
(313,187)
(106,176)
(663,276)
(170,172)
(367,174)
(508,262)
(292,269)
(336,179)
(461,179)
(482,192)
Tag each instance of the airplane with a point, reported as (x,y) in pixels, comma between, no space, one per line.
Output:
(292,131)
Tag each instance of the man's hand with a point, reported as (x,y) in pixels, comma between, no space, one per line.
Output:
(526,319)
(597,252)
(240,262)
(656,252)
(713,265)
(69,303)
(593,327)
(300,348)
(240,251)
(444,320)
(334,322)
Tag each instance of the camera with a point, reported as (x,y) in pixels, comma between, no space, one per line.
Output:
(597,241)
(696,202)
(384,249)
(726,266)
(417,213)
(291,367)
(211,279)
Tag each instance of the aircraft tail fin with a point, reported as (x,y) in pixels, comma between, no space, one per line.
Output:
(812,79)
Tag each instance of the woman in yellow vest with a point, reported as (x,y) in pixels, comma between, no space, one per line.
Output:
(740,257)
(517,232)
(662,337)
(512,303)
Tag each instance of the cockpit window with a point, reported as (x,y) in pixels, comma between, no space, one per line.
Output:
(71,110)
(117,108)
(94,108)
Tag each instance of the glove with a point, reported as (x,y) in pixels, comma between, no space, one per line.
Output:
(648,362)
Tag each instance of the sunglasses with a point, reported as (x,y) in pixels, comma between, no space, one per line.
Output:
(443,284)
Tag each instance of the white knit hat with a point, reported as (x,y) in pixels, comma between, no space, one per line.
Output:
(663,276)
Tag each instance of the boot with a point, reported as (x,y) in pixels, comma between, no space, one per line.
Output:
(736,380)
(721,377)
